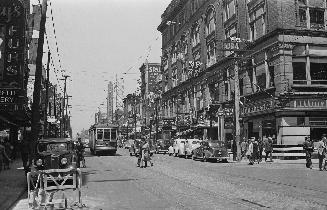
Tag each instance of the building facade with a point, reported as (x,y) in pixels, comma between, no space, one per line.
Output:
(279,49)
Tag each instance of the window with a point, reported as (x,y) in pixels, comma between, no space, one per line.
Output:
(316,18)
(299,72)
(113,134)
(226,88)
(106,134)
(99,133)
(303,16)
(257,22)
(230,10)
(271,70)
(210,22)
(318,71)
(195,35)
(211,53)
(241,86)
(261,80)
(300,121)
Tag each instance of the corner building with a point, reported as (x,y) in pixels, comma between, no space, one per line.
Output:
(282,67)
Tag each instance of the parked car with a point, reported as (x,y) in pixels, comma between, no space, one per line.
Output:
(190,145)
(55,153)
(179,147)
(162,146)
(211,150)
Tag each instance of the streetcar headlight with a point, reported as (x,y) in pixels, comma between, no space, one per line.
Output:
(39,162)
(63,161)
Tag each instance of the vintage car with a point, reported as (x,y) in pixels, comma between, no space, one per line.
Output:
(211,150)
(55,169)
(190,145)
(55,153)
(162,146)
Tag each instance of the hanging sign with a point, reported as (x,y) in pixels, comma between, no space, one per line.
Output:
(12,50)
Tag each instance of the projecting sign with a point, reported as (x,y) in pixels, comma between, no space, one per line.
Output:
(12,45)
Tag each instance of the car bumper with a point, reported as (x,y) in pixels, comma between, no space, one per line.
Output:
(162,150)
(105,148)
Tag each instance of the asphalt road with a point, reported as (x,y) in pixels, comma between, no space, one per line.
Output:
(114,182)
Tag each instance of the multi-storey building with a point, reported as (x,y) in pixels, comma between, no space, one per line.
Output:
(281,60)
(149,91)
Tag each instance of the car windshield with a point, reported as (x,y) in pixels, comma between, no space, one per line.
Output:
(52,147)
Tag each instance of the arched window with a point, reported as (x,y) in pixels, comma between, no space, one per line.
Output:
(210,21)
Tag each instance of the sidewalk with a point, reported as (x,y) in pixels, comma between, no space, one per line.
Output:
(13,184)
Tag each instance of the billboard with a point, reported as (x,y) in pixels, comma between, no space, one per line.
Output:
(12,52)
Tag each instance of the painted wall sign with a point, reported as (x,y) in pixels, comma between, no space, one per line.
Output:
(309,103)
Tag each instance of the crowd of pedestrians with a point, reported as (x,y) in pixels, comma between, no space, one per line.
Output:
(253,148)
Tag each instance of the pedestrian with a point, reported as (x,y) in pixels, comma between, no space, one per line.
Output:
(4,157)
(244,146)
(260,149)
(25,150)
(234,150)
(139,158)
(146,154)
(268,148)
(321,146)
(249,152)
(255,152)
(308,149)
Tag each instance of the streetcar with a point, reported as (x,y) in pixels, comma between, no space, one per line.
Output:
(103,138)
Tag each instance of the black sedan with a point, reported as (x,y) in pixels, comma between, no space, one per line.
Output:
(211,150)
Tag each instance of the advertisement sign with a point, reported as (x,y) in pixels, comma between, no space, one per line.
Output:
(310,103)
(168,123)
(153,72)
(12,46)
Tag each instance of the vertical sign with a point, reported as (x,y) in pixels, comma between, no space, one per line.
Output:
(12,46)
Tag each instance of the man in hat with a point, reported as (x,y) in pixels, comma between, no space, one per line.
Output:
(308,148)
(268,148)
(322,151)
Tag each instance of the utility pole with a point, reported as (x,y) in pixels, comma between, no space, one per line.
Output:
(47,98)
(135,116)
(55,108)
(64,106)
(38,83)
(237,110)
(116,89)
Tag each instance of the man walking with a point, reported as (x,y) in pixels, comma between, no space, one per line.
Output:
(268,148)
(322,151)
(308,148)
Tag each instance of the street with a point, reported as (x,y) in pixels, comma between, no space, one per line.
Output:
(114,182)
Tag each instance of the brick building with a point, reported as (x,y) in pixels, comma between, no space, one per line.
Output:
(282,67)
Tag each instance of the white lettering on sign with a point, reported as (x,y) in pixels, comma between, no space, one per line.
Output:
(268,105)
(310,103)
(4,99)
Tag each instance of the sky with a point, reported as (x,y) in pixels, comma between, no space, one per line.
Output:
(97,40)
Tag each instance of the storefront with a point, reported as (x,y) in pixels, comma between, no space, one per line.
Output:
(304,117)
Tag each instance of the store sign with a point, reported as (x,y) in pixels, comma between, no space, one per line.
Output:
(9,100)
(259,107)
(309,103)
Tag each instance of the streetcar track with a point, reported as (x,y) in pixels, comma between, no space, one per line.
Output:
(240,202)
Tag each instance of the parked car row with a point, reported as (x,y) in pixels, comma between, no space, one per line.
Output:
(213,150)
